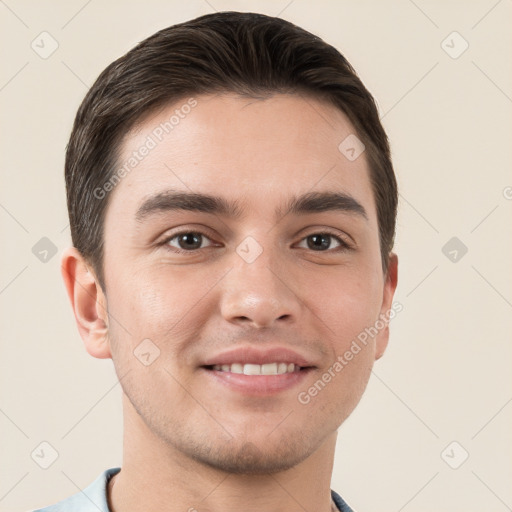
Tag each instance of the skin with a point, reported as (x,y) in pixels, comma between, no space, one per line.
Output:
(189,442)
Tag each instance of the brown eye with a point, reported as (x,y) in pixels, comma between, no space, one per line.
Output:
(187,241)
(322,242)
(319,241)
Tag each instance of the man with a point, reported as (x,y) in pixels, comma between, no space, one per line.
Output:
(232,206)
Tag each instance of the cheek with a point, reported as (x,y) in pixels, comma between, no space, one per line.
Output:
(161,306)
(140,307)
(347,305)
(145,300)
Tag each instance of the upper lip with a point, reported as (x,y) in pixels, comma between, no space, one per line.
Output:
(252,355)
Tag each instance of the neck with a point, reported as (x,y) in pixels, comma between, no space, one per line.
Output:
(155,476)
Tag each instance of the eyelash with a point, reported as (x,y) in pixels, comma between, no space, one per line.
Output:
(344,246)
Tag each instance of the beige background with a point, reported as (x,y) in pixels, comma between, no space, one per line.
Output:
(446,375)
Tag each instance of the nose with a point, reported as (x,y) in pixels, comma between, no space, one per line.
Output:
(259,294)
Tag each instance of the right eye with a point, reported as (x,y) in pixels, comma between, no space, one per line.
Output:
(186,241)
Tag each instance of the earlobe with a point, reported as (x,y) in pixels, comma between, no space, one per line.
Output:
(88,302)
(387,303)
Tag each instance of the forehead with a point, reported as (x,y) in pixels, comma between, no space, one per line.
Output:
(255,149)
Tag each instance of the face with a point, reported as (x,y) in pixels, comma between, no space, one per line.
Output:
(265,275)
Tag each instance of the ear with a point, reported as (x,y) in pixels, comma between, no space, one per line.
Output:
(387,302)
(88,302)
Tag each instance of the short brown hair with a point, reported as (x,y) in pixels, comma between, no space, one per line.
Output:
(245,53)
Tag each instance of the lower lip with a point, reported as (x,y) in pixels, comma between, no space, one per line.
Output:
(258,384)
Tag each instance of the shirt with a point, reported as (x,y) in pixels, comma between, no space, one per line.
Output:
(94,498)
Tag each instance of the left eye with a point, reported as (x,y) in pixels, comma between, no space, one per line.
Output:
(322,241)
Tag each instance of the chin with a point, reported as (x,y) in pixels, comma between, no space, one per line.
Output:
(249,459)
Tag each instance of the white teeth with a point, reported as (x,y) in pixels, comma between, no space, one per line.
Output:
(282,368)
(252,369)
(236,368)
(258,369)
(269,369)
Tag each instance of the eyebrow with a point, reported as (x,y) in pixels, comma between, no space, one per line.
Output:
(312,202)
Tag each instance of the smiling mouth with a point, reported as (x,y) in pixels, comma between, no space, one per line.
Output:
(280,368)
